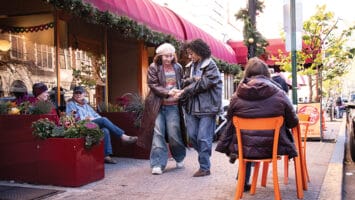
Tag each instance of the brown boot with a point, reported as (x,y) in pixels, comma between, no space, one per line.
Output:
(201,173)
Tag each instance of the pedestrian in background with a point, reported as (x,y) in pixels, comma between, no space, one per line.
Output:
(202,97)
(275,76)
(162,110)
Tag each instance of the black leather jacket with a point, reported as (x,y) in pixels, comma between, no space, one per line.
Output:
(202,96)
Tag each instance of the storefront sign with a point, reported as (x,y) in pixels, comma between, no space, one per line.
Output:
(312,109)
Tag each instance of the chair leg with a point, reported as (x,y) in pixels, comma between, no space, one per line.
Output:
(264,175)
(276,180)
(306,170)
(241,180)
(286,169)
(299,179)
(255,178)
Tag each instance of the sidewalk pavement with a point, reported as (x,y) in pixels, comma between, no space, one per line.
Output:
(131,179)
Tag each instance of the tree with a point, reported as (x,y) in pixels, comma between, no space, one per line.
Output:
(324,55)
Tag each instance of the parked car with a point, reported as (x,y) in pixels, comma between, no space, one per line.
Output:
(350,128)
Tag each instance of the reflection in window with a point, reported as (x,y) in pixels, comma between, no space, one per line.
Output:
(17,47)
(44,56)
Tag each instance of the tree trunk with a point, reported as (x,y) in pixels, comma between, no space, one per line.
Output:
(310,88)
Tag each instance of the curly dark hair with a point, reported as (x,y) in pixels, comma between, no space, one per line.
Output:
(199,47)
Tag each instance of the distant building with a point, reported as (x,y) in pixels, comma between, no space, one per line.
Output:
(213,16)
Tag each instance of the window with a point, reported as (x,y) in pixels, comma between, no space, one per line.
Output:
(18,47)
(44,55)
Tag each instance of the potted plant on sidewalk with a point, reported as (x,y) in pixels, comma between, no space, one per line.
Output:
(18,146)
(70,154)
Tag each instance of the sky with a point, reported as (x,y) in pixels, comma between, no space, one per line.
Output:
(270,21)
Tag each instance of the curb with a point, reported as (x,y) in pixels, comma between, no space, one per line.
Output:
(332,183)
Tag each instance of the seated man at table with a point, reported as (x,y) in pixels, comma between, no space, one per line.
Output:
(79,106)
(257,96)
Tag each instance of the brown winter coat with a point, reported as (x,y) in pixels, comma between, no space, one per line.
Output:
(156,82)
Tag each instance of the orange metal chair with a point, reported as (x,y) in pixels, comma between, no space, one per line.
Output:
(272,123)
(303,122)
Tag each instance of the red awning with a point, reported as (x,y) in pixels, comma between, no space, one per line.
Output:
(164,20)
(275,45)
(219,49)
(241,51)
(146,12)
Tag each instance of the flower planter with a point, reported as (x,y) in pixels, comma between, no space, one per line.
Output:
(54,161)
(125,121)
(18,147)
(66,162)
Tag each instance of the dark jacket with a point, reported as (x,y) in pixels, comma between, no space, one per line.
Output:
(260,97)
(202,96)
(278,79)
(156,82)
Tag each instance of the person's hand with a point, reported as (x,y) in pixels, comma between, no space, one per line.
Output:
(178,94)
(173,91)
(88,118)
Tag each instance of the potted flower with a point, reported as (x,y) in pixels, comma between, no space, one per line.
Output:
(16,137)
(127,113)
(70,154)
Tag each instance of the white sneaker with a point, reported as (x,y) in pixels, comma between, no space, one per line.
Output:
(180,164)
(157,170)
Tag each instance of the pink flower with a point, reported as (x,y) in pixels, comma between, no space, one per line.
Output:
(90,125)
(122,101)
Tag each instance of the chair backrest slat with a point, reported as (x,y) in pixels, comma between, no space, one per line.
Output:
(304,121)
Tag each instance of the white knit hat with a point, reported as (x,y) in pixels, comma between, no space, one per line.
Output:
(165,48)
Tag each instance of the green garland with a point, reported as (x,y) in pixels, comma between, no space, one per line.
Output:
(127,27)
(227,68)
(250,33)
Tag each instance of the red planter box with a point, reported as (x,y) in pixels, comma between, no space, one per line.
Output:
(18,147)
(54,161)
(125,121)
(66,162)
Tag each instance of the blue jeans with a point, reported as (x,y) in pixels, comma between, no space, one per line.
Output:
(167,125)
(201,130)
(107,142)
(103,122)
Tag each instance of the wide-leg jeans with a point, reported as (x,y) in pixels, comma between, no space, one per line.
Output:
(167,125)
(200,129)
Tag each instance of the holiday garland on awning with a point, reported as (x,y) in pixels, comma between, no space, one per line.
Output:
(26,29)
(127,27)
